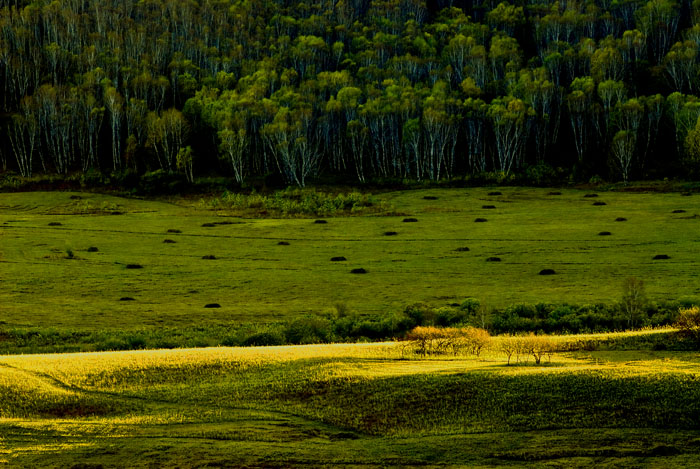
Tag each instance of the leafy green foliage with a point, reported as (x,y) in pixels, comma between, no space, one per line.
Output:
(355,91)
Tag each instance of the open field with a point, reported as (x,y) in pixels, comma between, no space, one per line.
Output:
(49,278)
(350,405)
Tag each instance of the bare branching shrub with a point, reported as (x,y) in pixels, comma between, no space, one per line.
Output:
(538,346)
(509,346)
(524,346)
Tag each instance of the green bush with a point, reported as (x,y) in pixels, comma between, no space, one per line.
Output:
(470,306)
(420,314)
(688,324)
(447,316)
(542,174)
(308,330)
(264,339)
(162,182)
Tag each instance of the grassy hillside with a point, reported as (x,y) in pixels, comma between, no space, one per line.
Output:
(356,405)
(49,277)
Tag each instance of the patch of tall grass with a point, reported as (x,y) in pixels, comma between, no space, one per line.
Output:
(301,202)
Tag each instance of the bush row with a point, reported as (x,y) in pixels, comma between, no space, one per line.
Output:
(457,323)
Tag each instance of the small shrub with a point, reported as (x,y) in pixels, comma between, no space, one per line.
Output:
(588,196)
(115,344)
(547,272)
(604,233)
(410,220)
(69,254)
(599,204)
(136,342)
(55,223)
(688,323)
(262,339)
(320,222)
(488,206)
(449,316)
(338,259)
(283,243)
(480,220)
(162,182)
(172,230)
(678,211)
(126,298)
(620,219)
(209,257)
(134,266)
(308,330)
(495,193)
(168,241)
(92,249)
(661,256)
(429,197)
(419,314)
(470,305)
(493,259)
(390,233)
(358,271)
(212,305)
(462,249)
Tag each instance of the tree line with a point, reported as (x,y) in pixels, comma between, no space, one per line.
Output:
(357,90)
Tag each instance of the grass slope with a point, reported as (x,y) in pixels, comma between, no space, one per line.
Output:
(49,278)
(351,405)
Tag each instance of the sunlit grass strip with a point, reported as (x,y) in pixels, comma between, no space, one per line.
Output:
(114,369)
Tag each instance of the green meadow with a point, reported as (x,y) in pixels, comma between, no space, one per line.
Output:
(351,405)
(49,277)
(84,263)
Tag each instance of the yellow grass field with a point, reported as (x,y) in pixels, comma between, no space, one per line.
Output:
(352,405)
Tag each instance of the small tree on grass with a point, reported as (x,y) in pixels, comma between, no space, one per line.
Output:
(688,323)
(538,346)
(634,300)
(421,339)
(533,345)
(476,339)
(508,345)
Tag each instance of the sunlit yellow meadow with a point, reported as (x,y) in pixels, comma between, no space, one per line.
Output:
(350,404)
